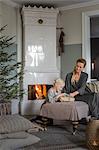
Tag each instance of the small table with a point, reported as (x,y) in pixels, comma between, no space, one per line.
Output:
(5,108)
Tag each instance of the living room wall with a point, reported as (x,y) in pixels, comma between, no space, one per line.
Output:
(71,21)
(8,17)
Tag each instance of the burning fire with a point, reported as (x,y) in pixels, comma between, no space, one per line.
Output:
(37,91)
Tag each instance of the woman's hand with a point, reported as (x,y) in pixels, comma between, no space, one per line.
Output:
(74,94)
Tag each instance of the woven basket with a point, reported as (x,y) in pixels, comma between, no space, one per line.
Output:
(92,135)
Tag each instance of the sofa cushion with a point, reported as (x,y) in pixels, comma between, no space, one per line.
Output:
(94,86)
(14,123)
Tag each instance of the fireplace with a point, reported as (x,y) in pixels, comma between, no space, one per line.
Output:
(40,56)
(38,91)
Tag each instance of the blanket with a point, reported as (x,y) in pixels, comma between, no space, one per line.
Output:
(73,111)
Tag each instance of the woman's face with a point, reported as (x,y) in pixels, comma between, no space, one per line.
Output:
(79,67)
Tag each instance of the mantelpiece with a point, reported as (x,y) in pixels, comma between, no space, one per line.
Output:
(39,53)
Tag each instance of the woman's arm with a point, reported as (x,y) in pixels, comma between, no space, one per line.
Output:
(80,89)
(81,85)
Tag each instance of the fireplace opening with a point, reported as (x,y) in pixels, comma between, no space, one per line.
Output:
(38,91)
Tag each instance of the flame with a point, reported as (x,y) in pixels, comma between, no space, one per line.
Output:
(40,91)
(44,90)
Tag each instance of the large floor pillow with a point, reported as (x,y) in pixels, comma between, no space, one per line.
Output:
(17,140)
(14,123)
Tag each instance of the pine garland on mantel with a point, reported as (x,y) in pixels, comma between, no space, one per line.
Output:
(11,71)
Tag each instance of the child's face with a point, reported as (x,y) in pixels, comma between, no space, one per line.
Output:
(60,86)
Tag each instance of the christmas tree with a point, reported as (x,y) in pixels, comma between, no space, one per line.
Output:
(11,71)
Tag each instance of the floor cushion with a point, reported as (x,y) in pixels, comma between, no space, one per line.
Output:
(14,123)
(13,141)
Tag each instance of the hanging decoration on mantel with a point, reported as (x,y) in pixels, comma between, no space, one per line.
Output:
(61,42)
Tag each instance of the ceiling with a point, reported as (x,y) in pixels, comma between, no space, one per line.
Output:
(54,3)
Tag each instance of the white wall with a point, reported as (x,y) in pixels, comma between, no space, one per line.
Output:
(71,21)
(8,15)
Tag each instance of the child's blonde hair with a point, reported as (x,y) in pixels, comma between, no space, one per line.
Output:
(59,81)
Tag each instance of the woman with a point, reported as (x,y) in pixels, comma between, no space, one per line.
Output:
(75,86)
(54,93)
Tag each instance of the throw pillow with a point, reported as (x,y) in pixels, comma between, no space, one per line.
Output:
(14,123)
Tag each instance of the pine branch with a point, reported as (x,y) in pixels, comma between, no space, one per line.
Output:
(11,72)
(3,28)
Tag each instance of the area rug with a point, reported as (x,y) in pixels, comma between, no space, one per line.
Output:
(60,138)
